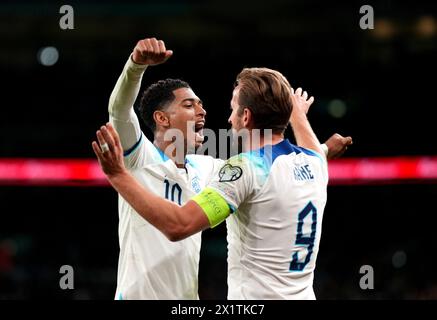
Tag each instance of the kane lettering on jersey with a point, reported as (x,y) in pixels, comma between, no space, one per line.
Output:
(275,198)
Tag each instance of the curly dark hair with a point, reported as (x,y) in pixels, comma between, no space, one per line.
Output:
(157,97)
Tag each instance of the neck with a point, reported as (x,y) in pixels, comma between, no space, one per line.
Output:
(171,149)
(257,142)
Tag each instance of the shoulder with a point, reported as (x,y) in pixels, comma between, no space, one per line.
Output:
(242,165)
(312,153)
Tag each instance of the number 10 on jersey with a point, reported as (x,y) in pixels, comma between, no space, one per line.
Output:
(175,194)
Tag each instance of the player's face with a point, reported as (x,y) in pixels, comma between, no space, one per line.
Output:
(235,120)
(186,114)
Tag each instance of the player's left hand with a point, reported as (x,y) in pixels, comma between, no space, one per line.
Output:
(301,102)
(109,151)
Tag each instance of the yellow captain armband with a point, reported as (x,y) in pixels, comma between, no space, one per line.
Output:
(214,206)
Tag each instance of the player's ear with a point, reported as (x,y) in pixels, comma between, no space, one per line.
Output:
(247,118)
(161,119)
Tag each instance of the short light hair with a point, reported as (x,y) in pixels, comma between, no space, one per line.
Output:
(267,94)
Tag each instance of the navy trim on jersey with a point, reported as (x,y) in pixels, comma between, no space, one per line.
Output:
(311,153)
(283,148)
(271,152)
(190,162)
(132,149)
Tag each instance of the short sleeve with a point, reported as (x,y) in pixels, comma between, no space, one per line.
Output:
(234,180)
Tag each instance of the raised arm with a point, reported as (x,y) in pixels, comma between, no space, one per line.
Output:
(304,134)
(147,52)
(335,146)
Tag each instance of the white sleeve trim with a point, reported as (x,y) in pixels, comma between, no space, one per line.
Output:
(324,148)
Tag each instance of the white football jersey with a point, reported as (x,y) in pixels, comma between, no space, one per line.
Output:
(278,194)
(150,265)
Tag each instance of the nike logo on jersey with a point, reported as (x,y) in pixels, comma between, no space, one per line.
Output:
(303,172)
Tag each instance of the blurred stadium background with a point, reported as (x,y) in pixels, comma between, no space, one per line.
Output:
(376,85)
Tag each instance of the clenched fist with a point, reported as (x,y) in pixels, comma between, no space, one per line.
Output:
(337,145)
(151,52)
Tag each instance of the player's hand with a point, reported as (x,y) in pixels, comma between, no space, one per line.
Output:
(337,145)
(151,52)
(109,151)
(301,102)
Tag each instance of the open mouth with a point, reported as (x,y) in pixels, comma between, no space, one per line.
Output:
(198,129)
